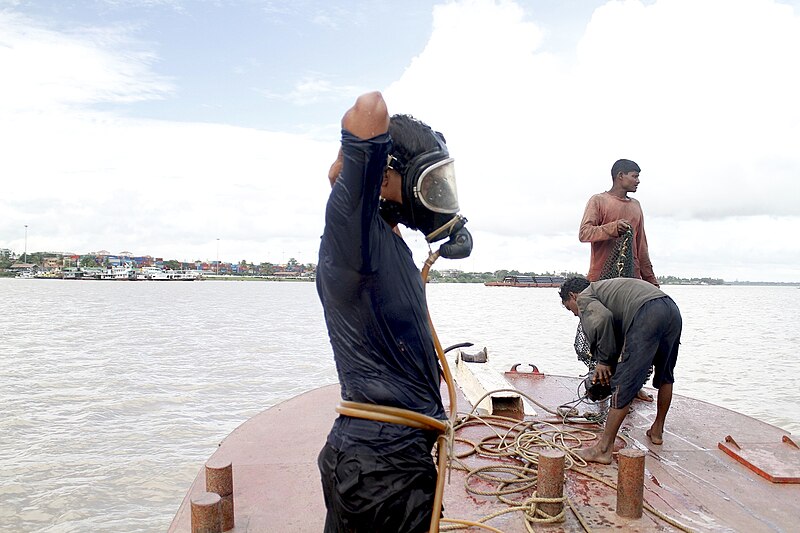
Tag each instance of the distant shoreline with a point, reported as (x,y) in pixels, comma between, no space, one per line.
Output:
(218,277)
(763,283)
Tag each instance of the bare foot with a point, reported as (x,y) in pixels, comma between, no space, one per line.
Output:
(594,455)
(655,438)
(644,396)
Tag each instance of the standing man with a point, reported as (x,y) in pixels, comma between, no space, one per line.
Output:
(380,476)
(631,326)
(608,216)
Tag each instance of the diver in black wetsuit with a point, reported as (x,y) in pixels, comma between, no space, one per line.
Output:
(380,476)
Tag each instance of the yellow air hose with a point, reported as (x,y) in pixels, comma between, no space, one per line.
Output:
(442,442)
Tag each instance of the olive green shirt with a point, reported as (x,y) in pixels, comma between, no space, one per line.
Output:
(607,309)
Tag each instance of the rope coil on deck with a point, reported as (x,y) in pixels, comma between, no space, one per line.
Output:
(520,440)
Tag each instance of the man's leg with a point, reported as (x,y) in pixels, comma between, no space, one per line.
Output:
(656,431)
(601,452)
(664,364)
(643,394)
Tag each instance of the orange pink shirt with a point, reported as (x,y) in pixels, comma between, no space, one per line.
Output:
(599,227)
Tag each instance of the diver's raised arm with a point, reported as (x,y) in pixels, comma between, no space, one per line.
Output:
(368,117)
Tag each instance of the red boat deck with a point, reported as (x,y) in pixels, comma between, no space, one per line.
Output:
(690,478)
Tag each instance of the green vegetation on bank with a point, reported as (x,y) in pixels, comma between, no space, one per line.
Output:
(672,280)
(456,276)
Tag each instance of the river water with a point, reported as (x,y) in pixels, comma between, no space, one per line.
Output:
(114,394)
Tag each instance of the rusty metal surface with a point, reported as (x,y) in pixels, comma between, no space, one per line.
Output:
(688,478)
(777,462)
(276,484)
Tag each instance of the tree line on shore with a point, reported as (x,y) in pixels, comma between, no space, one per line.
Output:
(498,275)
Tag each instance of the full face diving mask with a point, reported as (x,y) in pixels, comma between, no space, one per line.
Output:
(430,200)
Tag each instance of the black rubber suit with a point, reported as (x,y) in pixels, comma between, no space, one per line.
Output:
(375,476)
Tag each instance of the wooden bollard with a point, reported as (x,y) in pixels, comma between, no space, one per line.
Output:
(630,483)
(551,480)
(219,479)
(207,513)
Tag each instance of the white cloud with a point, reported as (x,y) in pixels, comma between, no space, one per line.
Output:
(85,180)
(177,187)
(312,90)
(701,94)
(44,69)
(706,97)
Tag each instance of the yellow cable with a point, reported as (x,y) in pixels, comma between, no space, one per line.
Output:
(384,414)
(451,392)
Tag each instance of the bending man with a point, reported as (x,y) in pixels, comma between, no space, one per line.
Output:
(630,325)
(379,476)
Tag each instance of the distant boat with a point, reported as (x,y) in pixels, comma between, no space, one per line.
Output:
(527,281)
(149,273)
(82,273)
(92,272)
(119,273)
(129,273)
(159,274)
(72,273)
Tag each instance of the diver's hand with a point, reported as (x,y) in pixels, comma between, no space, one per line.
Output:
(602,374)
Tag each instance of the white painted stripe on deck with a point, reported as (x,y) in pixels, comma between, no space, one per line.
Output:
(476,379)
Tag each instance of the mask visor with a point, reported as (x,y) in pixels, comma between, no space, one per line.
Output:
(436,187)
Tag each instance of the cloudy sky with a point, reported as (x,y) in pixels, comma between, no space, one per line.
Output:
(195,130)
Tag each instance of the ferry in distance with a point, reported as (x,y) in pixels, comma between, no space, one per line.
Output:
(159,274)
(527,281)
(128,273)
